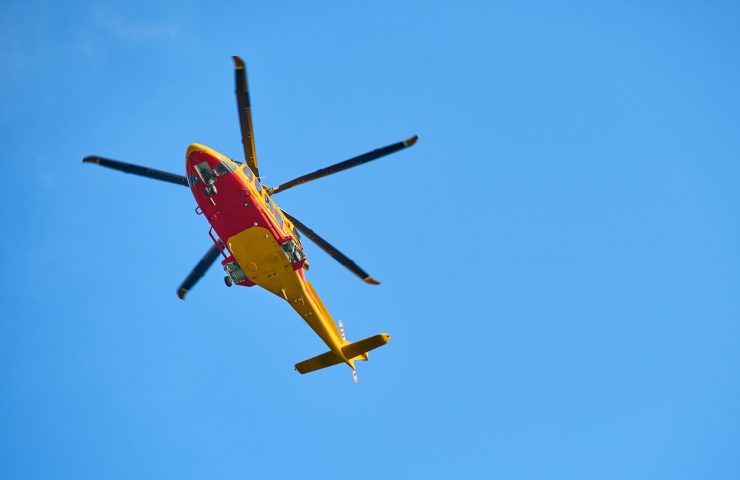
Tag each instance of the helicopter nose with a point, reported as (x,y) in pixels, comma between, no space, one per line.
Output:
(194,150)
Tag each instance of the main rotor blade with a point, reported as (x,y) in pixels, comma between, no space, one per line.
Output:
(244,107)
(331,250)
(352,162)
(138,170)
(199,270)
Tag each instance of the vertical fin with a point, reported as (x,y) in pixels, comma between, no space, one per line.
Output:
(341,332)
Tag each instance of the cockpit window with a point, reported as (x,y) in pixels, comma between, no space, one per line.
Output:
(247,171)
(274,211)
(258,185)
(205,172)
(224,167)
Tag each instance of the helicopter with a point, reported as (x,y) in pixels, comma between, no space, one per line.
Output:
(258,242)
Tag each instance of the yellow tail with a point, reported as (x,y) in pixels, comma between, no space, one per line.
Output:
(351,351)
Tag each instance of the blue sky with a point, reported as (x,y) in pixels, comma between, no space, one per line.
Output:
(559,252)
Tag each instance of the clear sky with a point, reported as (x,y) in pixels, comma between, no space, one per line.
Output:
(560,252)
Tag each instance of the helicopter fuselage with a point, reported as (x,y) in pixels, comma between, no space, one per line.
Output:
(258,243)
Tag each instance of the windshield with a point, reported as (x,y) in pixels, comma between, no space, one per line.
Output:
(224,167)
(205,172)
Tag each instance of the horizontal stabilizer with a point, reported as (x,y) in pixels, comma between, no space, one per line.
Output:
(350,351)
(318,362)
(363,346)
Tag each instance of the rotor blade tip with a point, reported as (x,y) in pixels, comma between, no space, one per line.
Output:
(181,293)
(238,62)
(91,160)
(411,141)
(371,281)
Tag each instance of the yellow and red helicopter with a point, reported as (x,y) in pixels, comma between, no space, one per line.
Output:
(258,242)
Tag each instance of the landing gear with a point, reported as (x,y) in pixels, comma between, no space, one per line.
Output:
(234,274)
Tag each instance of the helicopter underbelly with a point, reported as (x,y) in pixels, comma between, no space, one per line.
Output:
(264,263)
(262,260)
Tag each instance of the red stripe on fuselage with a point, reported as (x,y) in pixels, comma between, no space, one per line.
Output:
(235,207)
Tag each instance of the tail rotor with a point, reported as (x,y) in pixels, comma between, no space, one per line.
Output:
(341,332)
